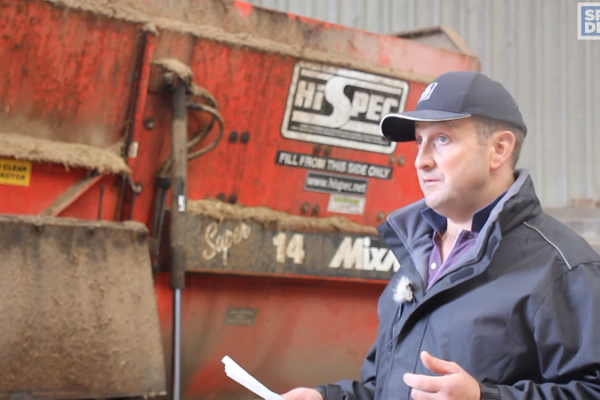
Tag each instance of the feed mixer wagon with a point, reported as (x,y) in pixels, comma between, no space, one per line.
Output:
(180,182)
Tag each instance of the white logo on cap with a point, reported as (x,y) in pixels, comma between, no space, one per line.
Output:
(427,92)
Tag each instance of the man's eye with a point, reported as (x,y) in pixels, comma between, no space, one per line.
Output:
(443,139)
(419,141)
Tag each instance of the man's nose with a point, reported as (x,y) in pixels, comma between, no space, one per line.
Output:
(424,160)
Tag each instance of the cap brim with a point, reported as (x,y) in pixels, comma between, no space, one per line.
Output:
(401,127)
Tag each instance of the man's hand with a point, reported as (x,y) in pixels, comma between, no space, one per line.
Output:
(454,384)
(302,394)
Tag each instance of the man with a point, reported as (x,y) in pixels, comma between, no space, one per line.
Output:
(494,299)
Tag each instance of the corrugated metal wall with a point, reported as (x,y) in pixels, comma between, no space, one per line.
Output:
(531,47)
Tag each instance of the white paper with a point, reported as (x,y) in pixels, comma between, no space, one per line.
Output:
(239,374)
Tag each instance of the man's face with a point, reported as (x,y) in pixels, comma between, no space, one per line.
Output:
(453,166)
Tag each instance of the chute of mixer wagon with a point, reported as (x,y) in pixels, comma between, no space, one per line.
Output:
(77,302)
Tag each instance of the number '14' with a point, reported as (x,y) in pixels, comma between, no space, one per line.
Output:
(293,250)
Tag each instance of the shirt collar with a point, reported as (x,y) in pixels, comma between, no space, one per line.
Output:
(439,223)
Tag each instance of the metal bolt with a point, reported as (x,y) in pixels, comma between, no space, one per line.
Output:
(37,228)
(233,137)
(380,216)
(392,159)
(317,149)
(327,151)
(304,207)
(232,198)
(142,234)
(221,196)
(401,160)
(91,231)
(316,208)
(244,137)
(149,123)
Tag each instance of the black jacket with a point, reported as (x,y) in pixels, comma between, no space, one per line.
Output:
(521,309)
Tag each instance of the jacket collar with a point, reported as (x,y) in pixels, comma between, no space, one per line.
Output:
(439,223)
(517,205)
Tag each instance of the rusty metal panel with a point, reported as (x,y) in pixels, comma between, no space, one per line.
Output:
(286,332)
(246,247)
(244,56)
(77,309)
(58,68)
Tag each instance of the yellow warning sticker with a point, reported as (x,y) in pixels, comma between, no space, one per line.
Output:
(13,172)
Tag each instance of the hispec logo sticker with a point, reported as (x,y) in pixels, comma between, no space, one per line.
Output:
(588,21)
(341,107)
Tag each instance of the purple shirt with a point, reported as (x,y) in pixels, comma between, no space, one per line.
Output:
(437,268)
(463,242)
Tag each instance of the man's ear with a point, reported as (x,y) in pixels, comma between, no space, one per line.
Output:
(503,143)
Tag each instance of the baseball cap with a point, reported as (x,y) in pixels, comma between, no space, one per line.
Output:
(455,95)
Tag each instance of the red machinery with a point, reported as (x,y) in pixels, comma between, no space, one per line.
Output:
(291,297)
